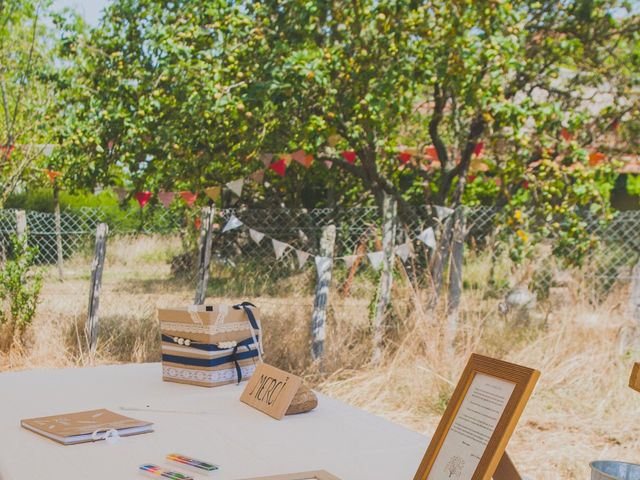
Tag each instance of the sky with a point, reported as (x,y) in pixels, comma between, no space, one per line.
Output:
(89,9)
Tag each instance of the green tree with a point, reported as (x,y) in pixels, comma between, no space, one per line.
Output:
(24,91)
(153,97)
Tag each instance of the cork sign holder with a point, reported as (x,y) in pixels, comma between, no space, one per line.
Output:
(271,390)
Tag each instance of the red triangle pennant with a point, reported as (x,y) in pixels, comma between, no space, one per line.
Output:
(189,197)
(280,167)
(431,152)
(349,156)
(7,149)
(52,174)
(142,198)
(404,157)
(478,148)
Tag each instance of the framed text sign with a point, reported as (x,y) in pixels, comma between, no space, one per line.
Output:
(316,475)
(473,433)
(634,381)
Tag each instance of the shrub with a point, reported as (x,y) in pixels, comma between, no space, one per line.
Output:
(20,288)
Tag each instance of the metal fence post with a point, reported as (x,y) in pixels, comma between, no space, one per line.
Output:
(204,254)
(324,265)
(389,212)
(92,326)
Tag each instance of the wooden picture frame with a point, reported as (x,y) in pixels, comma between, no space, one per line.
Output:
(314,475)
(493,459)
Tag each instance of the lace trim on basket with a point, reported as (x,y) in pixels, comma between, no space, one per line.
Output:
(207,329)
(214,376)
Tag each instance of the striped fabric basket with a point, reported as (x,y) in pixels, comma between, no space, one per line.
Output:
(210,345)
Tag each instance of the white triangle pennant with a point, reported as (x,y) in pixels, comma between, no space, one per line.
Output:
(236,186)
(443,212)
(376,259)
(428,237)
(349,260)
(302,257)
(255,235)
(404,251)
(233,223)
(279,248)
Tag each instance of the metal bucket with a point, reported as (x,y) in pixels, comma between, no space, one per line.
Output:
(610,470)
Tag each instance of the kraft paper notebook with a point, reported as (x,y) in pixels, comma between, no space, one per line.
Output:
(79,427)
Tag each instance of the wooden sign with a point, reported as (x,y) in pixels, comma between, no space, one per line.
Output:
(271,390)
(634,381)
(470,441)
(317,475)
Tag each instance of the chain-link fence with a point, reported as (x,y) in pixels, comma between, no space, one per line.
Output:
(251,266)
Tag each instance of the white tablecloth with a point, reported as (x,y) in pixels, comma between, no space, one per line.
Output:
(210,424)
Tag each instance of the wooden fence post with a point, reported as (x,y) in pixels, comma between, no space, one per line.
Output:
(324,266)
(389,212)
(204,254)
(58,227)
(92,326)
(455,277)
(21,224)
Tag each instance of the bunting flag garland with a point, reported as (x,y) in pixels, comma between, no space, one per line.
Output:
(266,158)
(428,237)
(286,158)
(349,156)
(333,140)
(236,186)
(52,174)
(142,198)
(256,236)
(404,157)
(349,260)
(189,197)
(431,152)
(303,158)
(257,176)
(596,158)
(197,223)
(328,163)
(477,150)
(279,167)
(213,193)
(299,156)
(166,198)
(443,212)
(47,150)
(233,223)
(376,259)
(302,257)
(7,149)
(121,193)
(404,251)
(279,248)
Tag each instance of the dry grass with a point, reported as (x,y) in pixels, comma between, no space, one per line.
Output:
(581,410)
